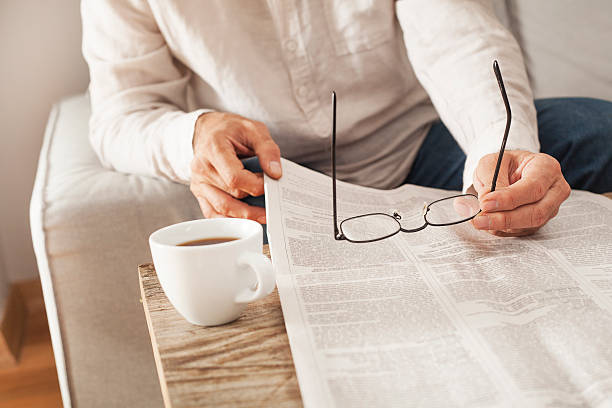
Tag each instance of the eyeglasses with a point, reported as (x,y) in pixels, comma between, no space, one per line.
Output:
(444,212)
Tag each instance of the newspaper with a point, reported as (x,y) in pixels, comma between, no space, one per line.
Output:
(445,317)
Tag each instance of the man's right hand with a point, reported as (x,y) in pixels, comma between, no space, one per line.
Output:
(218,178)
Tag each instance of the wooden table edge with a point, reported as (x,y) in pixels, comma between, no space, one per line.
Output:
(155,347)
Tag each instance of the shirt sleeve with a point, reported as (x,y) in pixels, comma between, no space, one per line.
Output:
(451,45)
(139,122)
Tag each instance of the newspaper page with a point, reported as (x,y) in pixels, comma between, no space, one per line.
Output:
(447,316)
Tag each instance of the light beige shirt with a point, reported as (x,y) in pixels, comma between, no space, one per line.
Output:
(397,66)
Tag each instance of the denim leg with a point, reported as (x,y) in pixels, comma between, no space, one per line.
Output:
(575,131)
(578,133)
(439,162)
(252,164)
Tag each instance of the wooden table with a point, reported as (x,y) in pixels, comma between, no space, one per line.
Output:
(244,363)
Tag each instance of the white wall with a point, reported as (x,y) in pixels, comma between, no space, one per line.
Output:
(40,62)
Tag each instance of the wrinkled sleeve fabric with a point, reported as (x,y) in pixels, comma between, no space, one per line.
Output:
(451,45)
(139,123)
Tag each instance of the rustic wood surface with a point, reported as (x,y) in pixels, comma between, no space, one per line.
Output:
(244,363)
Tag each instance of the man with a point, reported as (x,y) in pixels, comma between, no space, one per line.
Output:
(185,90)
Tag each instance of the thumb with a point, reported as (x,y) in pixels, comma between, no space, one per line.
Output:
(485,171)
(268,153)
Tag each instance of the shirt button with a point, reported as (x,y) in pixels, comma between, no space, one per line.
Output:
(291,45)
(302,91)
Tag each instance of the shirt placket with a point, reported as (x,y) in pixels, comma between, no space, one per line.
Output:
(299,64)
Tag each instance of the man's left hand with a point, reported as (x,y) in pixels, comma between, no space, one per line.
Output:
(529,191)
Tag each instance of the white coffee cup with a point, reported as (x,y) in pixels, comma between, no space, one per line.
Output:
(212,284)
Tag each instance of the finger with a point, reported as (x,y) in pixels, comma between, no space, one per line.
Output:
(207,210)
(228,206)
(231,169)
(525,191)
(516,175)
(266,149)
(528,189)
(527,216)
(485,172)
(466,206)
(202,171)
(478,184)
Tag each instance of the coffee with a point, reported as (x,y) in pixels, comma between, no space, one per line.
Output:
(208,241)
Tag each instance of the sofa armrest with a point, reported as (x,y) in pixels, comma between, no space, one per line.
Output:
(90,228)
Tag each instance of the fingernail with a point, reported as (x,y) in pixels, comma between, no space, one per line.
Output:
(481,222)
(262,219)
(490,205)
(275,169)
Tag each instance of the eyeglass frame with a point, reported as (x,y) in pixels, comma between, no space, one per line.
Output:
(339,236)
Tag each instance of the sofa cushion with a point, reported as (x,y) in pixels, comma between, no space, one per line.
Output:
(90,228)
(566,44)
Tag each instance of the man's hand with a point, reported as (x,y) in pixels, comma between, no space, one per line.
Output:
(218,178)
(529,190)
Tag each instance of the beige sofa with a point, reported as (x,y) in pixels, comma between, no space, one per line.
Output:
(90,225)
(90,228)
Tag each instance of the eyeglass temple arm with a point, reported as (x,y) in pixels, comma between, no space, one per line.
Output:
(337,234)
(502,89)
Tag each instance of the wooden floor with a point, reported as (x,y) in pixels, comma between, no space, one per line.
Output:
(33,382)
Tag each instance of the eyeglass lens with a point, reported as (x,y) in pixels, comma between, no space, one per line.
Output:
(452,210)
(369,227)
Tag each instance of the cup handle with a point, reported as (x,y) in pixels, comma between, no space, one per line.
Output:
(262,267)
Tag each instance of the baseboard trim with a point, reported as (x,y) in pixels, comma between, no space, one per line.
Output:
(12,325)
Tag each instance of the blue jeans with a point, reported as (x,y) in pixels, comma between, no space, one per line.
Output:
(575,131)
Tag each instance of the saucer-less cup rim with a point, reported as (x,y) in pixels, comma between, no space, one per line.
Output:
(156,237)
